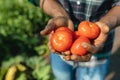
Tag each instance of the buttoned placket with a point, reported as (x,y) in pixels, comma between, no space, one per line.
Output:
(78,2)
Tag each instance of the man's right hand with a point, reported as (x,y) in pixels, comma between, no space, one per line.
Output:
(53,24)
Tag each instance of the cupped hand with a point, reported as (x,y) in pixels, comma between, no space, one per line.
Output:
(92,48)
(53,24)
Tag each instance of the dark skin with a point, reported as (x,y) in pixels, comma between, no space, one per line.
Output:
(61,18)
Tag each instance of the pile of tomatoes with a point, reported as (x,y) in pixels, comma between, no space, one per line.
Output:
(64,39)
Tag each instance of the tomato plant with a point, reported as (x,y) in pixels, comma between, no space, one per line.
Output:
(77,46)
(62,39)
(88,29)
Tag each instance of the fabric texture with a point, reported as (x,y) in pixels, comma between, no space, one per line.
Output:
(90,10)
(65,71)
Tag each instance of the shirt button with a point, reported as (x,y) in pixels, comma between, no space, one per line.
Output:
(78,2)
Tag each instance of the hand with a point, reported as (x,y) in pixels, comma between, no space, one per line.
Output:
(57,22)
(53,24)
(92,48)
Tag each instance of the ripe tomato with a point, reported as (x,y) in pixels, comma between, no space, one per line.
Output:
(65,29)
(77,47)
(62,39)
(88,29)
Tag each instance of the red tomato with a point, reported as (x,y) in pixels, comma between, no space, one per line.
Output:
(65,29)
(88,29)
(77,47)
(62,39)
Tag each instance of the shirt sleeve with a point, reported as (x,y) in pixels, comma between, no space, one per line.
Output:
(117,3)
(35,2)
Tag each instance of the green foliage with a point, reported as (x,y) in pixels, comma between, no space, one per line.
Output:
(20,42)
(39,66)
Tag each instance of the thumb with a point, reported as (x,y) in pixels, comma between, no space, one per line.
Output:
(90,48)
(70,25)
(48,29)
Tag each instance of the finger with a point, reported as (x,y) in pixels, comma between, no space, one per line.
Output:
(50,35)
(49,42)
(84,58)
(74,57)
(104,28)
(51,48)
(67,58)
(61,21)
(49,27)
(66,53)
(70,25)
(90,48)
(77,58)
(64,21)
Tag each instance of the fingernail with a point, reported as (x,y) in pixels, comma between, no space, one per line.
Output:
(84,45)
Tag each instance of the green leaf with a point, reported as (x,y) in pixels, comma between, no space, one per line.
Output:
(20,41)
(42,49)
(22,76)
(42,73)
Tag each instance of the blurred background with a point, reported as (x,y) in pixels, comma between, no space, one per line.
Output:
(24,54)
(114,71)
